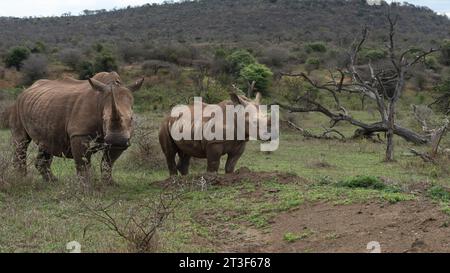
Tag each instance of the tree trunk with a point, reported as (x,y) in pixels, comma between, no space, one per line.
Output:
(390,132)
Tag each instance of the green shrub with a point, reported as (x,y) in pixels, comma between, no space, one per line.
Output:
(431,62)
(105,62)
(16,56)
(312,63)
(373,54)
(258,73)
(367,182)
(85,70)
(319,47)
(239,59)
(445,52)
(38,47)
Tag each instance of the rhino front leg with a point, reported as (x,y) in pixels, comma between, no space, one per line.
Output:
(213,155)
(233,158)
(82,157)
(43,165)
(109,157)
(183,163)
(231,162)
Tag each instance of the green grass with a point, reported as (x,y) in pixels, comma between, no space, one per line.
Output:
(439,193)
(292,237)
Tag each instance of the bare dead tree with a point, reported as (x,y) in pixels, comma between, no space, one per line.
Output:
(402,66)
(383,86)
(327,134)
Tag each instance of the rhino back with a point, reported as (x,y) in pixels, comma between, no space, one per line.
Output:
(52,112)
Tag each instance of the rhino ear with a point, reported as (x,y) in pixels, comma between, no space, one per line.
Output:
(98,86)
(136,86)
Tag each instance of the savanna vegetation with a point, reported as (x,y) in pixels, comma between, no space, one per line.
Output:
(337,83)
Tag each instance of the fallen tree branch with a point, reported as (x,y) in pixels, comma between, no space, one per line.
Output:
(365,129)
(425,156)
(325,135)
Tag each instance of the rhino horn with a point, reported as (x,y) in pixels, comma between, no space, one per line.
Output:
(136,86)
(115,113)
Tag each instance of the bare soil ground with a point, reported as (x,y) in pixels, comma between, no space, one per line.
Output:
(405,227)
(408,226)
(412,226)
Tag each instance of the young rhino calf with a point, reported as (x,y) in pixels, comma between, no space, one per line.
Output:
(211,149)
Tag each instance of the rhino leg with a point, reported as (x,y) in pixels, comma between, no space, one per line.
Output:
(82,156)
(213,155)
(109,157)
(170,152)
(183,163)
(43,163)
(171,163)
(231,162)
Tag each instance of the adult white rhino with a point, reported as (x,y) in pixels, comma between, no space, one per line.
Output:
(64,117)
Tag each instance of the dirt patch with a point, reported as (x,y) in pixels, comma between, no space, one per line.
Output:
(241,175)
(413,226)
(229,238)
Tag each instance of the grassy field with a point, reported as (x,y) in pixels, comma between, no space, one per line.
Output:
(40,217)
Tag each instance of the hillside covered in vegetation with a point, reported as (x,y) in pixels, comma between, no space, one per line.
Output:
(232,22)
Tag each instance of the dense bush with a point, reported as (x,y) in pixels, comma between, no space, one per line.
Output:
(38,48)
(445,52)
(431,62)
(316,47)
(312,63)
(443,101)
(372,55)
(239,59)
(105,61)
(16,56)
(275,56)
(130,52)
(368,182)
(71,57)
(34,68)
(85,70)
(258,73)
(174,53)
